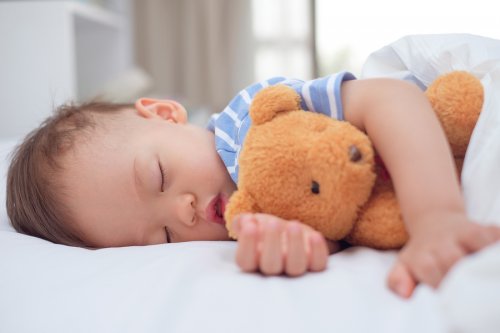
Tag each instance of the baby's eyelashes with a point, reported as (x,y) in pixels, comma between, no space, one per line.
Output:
(163,177)
(167,234)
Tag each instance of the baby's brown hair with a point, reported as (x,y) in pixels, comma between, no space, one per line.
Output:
(34,192)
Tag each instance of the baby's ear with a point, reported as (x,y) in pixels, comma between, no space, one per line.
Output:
(163,108)
(272,100)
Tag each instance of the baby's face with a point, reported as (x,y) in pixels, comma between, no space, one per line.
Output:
(146,180)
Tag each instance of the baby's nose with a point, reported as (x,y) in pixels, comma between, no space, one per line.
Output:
(186,208)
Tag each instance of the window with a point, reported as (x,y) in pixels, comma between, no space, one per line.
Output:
(348,31)
(283,38)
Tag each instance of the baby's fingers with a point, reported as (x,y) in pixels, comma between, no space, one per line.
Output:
(240,220)
(429,270)
(271,257)
(401,281)
(296,257)
(478,237)
(319,252)
(247,252)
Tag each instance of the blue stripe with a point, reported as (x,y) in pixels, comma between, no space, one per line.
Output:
(229,158)
(297,86)
(293,82)
(275,80)
(226,121)
(226,124)
(237,103)
(338,97)
(319,96)
(242,132)
(343,76)
(221,144)
(211,123)
(253,89)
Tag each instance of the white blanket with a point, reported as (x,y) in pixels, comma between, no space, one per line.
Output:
(470,296)
(196,287)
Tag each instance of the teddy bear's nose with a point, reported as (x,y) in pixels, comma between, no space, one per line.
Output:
(354,154)
(315,187)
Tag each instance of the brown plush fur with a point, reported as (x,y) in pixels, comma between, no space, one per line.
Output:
(308,167)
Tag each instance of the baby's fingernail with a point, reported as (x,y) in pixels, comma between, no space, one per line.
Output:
(403,290)
(293,228)
(400,289)
(316,237)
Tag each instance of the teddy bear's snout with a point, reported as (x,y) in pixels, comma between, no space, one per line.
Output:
(355,154)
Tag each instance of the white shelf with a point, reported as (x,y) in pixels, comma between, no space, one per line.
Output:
(96,17)
(54,52)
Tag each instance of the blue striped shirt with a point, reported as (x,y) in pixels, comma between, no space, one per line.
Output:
(230,126)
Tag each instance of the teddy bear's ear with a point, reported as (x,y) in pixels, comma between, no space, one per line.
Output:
(272,100)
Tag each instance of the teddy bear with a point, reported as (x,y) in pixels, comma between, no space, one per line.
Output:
(325,173)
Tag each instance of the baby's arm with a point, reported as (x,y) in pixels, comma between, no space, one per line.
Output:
(273,246)
(406,133)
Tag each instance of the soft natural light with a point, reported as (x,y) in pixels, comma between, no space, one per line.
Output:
(283,40)
(349,31)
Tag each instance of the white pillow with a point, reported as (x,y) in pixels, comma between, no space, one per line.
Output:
(6,147)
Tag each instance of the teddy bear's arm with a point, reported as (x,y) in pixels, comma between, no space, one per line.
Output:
(240,202)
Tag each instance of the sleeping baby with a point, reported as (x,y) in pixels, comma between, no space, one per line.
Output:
(109,175)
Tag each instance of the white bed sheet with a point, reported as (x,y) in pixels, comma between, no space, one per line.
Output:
(196,287)
(193,287)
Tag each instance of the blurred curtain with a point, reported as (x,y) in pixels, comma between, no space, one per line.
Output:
(198,51)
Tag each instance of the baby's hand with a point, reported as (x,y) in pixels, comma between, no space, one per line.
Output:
(434,247)
(274,246)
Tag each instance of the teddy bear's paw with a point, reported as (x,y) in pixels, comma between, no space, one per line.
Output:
(457,99)
(380,224)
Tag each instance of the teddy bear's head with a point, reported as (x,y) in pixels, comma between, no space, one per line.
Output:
(302,165)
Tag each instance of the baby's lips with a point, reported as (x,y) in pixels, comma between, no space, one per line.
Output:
(223,203)
(218,203)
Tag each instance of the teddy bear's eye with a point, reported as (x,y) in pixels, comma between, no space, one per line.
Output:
(354,154)
(315,187)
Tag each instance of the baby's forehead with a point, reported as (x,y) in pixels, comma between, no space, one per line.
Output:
(106,130)
(107,125)
(115,118)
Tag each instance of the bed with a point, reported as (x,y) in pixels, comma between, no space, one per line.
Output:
(196,287)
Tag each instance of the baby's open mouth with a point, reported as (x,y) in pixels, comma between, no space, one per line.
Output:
(218,209)
(215,209)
